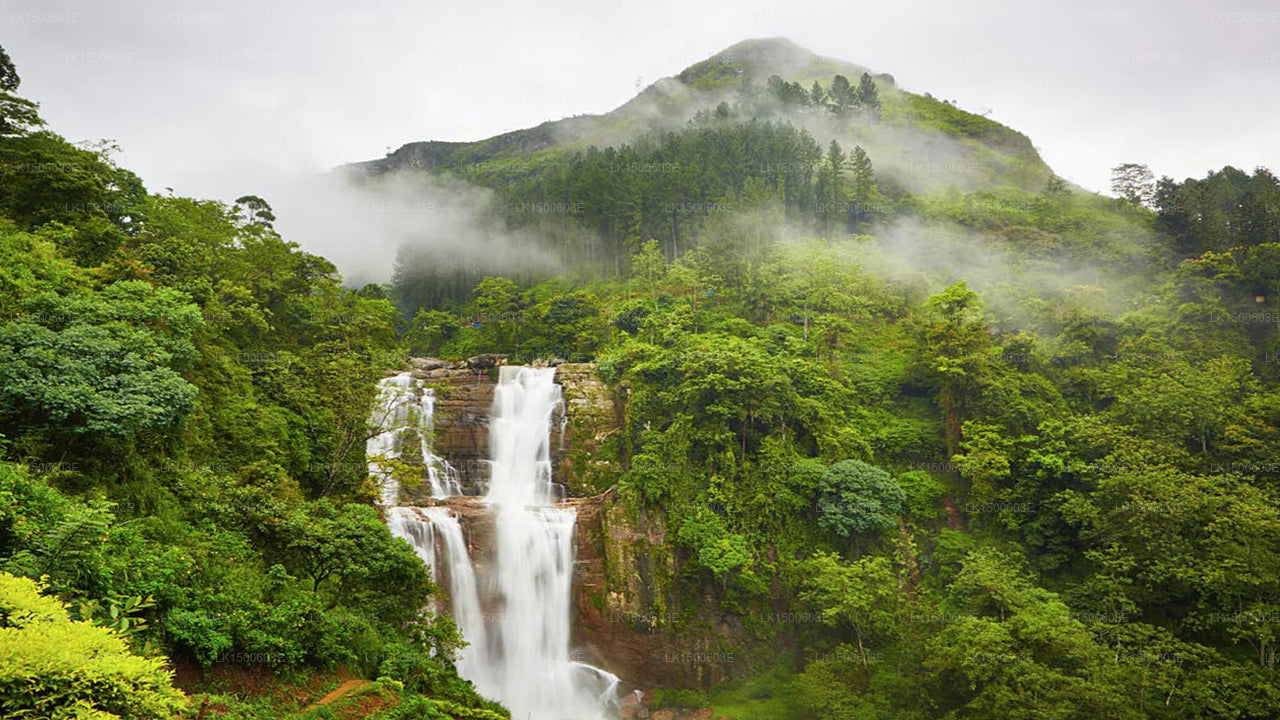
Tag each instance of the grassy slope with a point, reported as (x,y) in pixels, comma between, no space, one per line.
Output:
(998,154)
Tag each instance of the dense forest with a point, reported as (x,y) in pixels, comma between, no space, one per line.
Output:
(1003,451)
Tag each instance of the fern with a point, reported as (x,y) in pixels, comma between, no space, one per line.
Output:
(73,540)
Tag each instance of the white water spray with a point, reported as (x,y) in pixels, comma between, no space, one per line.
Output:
(530,670)
(463,592)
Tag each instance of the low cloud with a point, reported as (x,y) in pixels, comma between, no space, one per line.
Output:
(363,223)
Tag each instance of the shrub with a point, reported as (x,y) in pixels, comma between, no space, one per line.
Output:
(54,667)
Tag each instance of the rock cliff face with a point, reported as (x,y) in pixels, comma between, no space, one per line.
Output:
(628,617)
(463,397)
(631,620)
(582,459)
(464,393)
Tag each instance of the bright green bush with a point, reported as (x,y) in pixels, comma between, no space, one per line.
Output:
(52,667)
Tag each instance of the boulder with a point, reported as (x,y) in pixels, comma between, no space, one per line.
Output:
(428,364)
(486,361)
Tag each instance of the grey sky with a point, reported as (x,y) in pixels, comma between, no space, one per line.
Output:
(214,98)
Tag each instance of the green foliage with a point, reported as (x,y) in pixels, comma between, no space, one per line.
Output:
(183,406)
(1056,498)
(716,549)
(923,494)
(859,596)
(83,200)
(855,497)
(1225,209)
(17,115)
(55,667)
(1017,637)
(679,699)
(842,94)
(104,363)
(867,96)
(430,330)
(1133,182)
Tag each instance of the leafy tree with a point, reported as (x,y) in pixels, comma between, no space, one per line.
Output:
(788,93)
(1014,648)
(954,344)
(1134,183)
(1208,544)
(17,115)
(351,559)
(719,551)
(77,197)
(1225,209)
(817,96)
(1166,396)
(867,97)
(866,197)
(101,363)
(860,595)
(1056,187)
(855,497)
(9,79)
(430,330)
(832,184)
(498,310)
(842,93)
(254,210)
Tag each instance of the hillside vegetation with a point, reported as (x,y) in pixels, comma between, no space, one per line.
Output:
(949,437)
(183,404)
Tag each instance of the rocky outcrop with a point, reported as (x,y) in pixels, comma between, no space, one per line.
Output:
(482,362)
(464,393)
(463,396)
(631,619)
(583,462)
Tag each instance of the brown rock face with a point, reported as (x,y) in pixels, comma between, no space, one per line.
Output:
(463,397)
(464,394)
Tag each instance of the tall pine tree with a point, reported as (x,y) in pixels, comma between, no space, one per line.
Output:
(842,94)
(868,97)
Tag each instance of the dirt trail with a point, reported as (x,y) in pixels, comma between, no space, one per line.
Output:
(337,692)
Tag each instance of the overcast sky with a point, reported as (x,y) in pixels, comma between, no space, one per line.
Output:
(211,97)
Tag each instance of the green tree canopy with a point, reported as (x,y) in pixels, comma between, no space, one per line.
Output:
(855,497)
(102,363)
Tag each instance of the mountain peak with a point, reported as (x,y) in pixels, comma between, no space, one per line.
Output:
(773,51)
(757,58)
(919,141)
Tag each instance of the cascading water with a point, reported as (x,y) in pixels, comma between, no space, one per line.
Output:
(405,407)
(530,670)
(463,592)
(517,654)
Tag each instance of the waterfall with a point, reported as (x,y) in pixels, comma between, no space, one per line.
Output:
(530,670)
(472,660)
(518,653)
(520,437)
(405,523)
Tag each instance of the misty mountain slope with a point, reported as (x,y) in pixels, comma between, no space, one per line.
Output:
(924,144)
(945,193)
